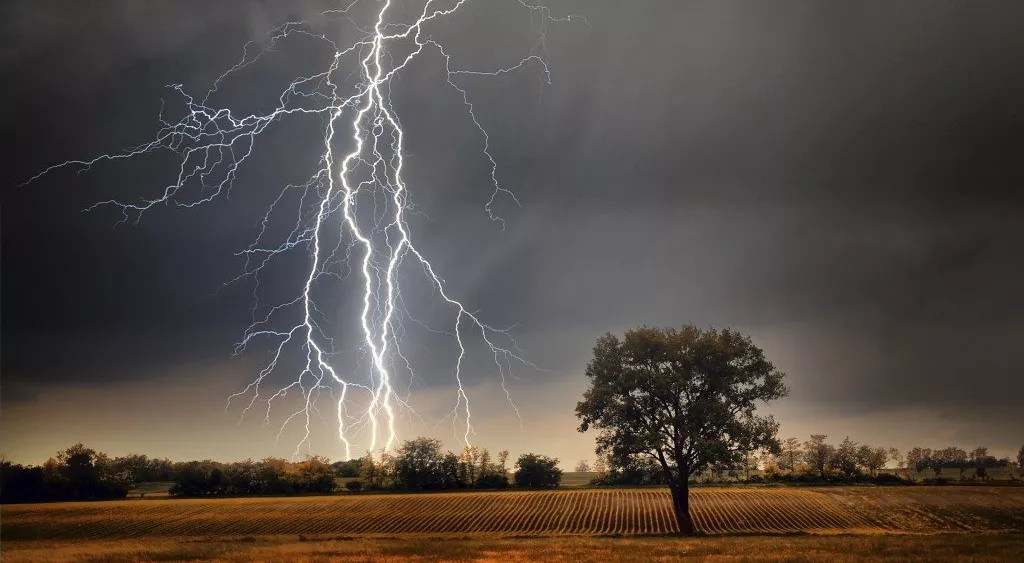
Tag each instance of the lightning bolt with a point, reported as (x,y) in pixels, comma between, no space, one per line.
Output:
(353,212)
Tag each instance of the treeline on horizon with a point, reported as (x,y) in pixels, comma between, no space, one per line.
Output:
(81,473)
(818,461)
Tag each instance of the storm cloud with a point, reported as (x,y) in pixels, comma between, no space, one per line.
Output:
(840,180)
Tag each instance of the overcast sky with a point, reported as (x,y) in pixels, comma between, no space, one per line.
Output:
(842,181)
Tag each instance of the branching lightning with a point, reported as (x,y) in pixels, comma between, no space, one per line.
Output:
(352,210)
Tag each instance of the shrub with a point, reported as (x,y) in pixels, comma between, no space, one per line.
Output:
(889,479)
(348,468)
(537,472)
(354,486)
(492,481)
(633,472)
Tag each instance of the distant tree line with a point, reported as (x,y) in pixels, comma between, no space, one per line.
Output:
(269,476)
(74,473)
(815,460)
(922,460)
(419,464)
(81,473)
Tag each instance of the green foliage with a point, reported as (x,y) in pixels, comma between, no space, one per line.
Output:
(889,479)
(142,469)
(348,468)
(450,470)
(790,454)
(377,473)
(77,467)
(354,486)
(75,473)
(845,458)
(872,459)
(244,478)
(636,471)
(537,472)
(686,398)
(314,475)
(492,480)
(19,483)
(271,476)
(469,466)
(954,458)
(195,478)
(418,464)
(818,453)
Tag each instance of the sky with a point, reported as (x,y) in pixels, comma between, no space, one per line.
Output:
(841,181)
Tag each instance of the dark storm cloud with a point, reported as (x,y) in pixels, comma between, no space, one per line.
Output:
(84,301)
(844,174)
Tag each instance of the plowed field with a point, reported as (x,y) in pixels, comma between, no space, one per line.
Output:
(523,513)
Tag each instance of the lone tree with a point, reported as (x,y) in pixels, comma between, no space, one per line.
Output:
(685,398)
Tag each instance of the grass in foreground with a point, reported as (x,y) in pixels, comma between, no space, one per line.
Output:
(968,548)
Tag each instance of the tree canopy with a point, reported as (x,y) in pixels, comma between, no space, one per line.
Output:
(537,472)
(686,398)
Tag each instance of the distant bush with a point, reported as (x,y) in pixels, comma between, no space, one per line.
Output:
(354,486)
(348,468)
(269,476)
(889,479)
(537,472)
(637,472)
(418,464)
(492,481)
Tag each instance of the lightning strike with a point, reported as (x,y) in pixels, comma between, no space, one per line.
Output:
(360,197)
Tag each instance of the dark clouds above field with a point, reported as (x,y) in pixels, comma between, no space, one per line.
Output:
(840,180)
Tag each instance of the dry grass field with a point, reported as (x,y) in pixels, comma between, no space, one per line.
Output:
(873,523)
(591,512)
(959,548)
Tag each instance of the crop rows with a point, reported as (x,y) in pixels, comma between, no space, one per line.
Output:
(524,513)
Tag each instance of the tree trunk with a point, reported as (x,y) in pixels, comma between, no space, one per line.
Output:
(681,506)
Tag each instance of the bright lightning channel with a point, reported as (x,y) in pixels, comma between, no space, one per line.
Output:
(365,191)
